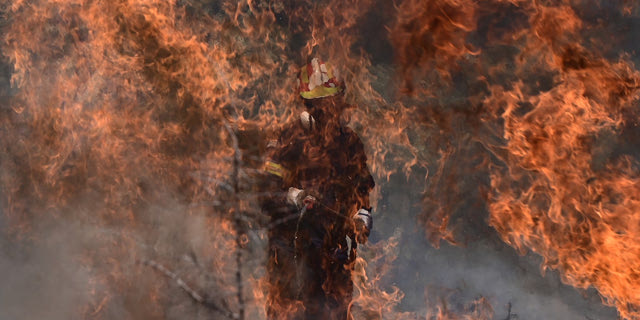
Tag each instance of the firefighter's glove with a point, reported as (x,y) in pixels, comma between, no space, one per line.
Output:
(364,224)
(300,198)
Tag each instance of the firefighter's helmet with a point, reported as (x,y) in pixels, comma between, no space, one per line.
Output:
(318,79)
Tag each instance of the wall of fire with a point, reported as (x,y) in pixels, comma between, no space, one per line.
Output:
(502,134)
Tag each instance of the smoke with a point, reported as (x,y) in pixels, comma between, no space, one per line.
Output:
(480,266)
(43,280)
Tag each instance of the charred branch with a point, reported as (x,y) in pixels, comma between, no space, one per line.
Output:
(510,316)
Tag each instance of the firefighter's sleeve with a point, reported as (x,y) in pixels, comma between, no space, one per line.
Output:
(363,218)
(365,183)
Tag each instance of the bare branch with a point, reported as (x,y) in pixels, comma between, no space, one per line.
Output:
(240,230)
(193,294)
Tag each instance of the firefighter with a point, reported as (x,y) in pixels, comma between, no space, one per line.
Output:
(318,186)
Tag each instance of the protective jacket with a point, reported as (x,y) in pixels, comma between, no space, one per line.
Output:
(312,249)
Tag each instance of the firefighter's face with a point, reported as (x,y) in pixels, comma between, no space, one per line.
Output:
(333,104)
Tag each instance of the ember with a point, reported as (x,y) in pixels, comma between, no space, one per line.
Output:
(136,136)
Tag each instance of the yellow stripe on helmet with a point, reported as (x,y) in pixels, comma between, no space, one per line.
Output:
(320,92)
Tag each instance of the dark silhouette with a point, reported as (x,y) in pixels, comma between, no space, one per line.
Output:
(318,187)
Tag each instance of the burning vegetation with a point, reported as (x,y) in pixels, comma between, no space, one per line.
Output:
(134,134)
